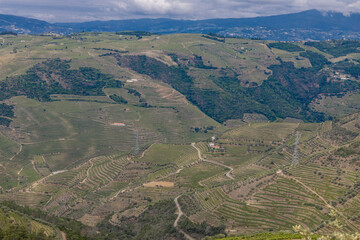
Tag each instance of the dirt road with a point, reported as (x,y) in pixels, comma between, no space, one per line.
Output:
(228,174)
(180,213)
(350,224)
(21,147)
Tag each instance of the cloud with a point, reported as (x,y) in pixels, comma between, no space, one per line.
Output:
(85,10)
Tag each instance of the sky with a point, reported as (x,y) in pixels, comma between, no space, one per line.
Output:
(89,10)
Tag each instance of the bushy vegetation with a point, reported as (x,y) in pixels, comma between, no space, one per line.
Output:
(55,77)
(261,236)
(15,232)
(353,70)
(282,95)
(155,223)
(6,112)
(175,76)
(118,99)
(74,230)
(200,230)
(199,63)
(135,33)
(290,47)
(337,48)
(317,60)
(340,134)
(5,121)
(215,37)
(8,33)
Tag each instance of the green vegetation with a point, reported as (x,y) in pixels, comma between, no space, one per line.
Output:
(135,33)
(353,70)
(6,112)
(154,223)
(114,133)
(72,228)
(317,60)
(290,47)
(20,232)
(270,99)
(215,37)
(56,77)
(268,236)
(118,99)
(200,230)
(336,48)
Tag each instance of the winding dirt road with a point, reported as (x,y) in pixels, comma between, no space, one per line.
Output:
(180,213)
(228,174)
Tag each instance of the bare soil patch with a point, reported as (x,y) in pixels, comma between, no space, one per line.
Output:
(159,184)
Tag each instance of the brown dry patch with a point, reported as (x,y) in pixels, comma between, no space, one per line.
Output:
(90,220)
(159,184)
(339,59)
(5,59)
(170,94)
(160,56)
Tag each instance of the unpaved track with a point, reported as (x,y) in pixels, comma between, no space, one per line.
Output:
(180,213)
(21,147)
(88,172)
(350,224)
(228,174)
(63,235)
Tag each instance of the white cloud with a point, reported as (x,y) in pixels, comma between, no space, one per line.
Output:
(83,10)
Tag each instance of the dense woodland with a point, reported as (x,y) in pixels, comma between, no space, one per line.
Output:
(286,93)
(290,47)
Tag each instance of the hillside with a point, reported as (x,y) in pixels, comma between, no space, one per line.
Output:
(25,25)
(307,25)
(24,223)
(114,130)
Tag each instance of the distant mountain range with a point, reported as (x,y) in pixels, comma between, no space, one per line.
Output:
(307,25)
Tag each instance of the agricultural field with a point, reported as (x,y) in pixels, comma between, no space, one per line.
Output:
(233,135)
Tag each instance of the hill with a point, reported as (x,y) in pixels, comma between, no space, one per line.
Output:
(115,130)
(19,222)
(307,25)
(25,25)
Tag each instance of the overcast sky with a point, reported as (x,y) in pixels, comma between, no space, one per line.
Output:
(86,10)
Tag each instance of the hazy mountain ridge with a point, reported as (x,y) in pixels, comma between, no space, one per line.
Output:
(307,25)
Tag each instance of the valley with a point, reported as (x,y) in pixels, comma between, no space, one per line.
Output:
(184,136)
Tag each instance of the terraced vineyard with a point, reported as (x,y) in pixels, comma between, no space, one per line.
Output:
(112,136)
(10,217)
